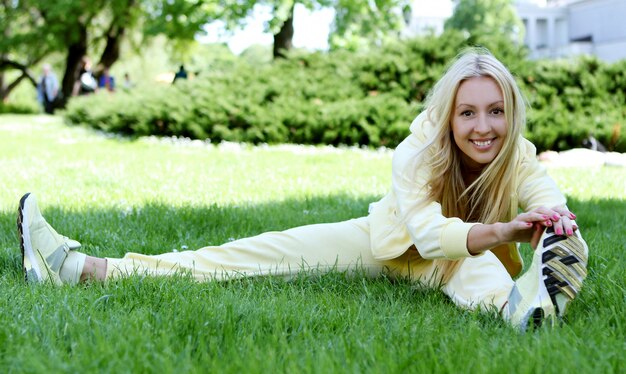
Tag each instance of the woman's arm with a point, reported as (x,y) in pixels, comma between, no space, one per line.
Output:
(525,228)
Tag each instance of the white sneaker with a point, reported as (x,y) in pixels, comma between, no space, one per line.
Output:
(43,249)
(553,280)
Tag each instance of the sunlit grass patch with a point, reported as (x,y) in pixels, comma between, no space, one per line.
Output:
(117,195)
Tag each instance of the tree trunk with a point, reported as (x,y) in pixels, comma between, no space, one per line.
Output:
(111,51)
(283,39)
(75,53)
(114,36)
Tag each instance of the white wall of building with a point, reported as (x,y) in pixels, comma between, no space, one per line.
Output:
(563,28)
(546,29)
(602,21)
(553,28)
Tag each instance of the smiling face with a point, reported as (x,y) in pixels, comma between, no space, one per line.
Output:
(479,125)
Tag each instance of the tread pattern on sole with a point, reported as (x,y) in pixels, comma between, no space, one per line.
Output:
(564,265)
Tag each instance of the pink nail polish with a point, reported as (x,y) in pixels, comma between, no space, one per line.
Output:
(556,216)
(569,232)
(559,231)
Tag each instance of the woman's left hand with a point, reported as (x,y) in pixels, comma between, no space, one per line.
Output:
(565,224)
(562,221)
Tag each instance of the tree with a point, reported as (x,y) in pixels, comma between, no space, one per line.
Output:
(355,19)
(34,29)
(361,23)
(11,21)
(486,18)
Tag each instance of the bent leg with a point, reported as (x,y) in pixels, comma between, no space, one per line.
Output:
(341,246)
(479,282)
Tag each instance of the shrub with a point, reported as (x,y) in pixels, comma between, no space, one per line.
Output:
(365,98)
(18,108)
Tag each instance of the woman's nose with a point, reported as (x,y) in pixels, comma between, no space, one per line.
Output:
(482,125)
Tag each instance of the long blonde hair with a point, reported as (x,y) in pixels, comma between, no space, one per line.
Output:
(488,198)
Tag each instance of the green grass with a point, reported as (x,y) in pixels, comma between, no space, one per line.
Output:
(117,195)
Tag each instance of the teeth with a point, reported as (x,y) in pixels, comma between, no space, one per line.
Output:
(482,143)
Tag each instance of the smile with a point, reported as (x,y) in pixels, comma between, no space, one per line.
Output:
(482,143)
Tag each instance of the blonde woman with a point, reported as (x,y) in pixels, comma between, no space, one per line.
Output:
(450,220)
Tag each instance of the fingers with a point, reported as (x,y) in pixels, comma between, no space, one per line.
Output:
(564,212)
(565,226)
(533,216)
(559,217)
(547,216)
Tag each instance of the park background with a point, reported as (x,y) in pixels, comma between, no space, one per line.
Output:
(161,166)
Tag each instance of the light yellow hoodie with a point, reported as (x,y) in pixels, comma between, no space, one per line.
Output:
(434,235)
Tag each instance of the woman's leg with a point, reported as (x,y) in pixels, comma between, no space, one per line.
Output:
(479,282)
(341,246)
(95,268)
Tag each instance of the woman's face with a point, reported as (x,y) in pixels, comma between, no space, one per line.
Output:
(478,122)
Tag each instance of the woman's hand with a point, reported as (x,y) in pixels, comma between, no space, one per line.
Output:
(528,226)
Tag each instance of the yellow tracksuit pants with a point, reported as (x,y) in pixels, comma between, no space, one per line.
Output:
(342,246)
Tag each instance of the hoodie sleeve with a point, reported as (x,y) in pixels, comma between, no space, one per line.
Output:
(434,235)
(535,187)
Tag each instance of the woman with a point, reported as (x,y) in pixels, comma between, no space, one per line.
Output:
(450,220)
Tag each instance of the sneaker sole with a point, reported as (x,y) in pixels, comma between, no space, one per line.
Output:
(25,243)
(564,269)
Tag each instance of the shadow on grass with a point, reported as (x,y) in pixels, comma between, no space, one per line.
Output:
(157,228)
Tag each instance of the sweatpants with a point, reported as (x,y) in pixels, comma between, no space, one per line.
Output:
(343,246)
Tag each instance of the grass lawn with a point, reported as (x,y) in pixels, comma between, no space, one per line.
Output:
(118,195)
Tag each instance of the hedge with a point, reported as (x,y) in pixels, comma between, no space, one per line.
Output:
(362,98)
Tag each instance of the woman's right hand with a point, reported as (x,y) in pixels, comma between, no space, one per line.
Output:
(528,227)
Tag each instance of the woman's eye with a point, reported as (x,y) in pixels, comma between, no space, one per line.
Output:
(466,113)
(497,111)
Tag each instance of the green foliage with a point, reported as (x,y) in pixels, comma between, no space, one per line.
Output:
(18,108)
(360,24)
(366,98)
(23,100)
(357,23)
(306,99)
(571,100)
(486,17)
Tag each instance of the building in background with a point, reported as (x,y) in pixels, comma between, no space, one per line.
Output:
(564,28)
(553,28)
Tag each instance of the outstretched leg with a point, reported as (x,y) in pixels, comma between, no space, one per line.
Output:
(48,256)
(479,282)
(320,247)
(95,268)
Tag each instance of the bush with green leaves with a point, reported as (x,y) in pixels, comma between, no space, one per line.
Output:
(571,100)
(18,108)
(365,98)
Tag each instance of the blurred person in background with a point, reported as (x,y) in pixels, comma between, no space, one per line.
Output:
(47,89)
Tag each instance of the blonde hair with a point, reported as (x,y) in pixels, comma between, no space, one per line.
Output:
(488,198)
